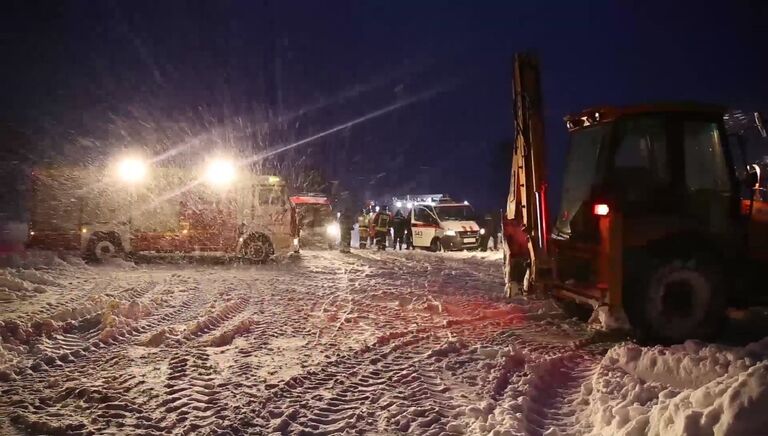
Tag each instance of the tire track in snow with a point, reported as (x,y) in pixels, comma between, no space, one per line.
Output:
(101,392)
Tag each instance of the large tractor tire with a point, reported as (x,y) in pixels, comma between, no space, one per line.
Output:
(257,247)
(102,246)
(676,299)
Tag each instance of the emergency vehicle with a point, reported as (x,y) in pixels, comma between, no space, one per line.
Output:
(318,226)
(440,223)
(129,207)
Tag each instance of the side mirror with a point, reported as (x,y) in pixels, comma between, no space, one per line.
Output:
(760,124)
(752,177)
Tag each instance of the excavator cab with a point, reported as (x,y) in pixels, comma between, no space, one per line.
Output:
(654,229)
(650,222)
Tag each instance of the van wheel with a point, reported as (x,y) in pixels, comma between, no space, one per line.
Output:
(435,245)
(103,246)
(677,300)
(257,247)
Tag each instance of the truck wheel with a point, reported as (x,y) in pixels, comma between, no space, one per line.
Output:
(103,246)
(435,245)
(677,300)
(257,247)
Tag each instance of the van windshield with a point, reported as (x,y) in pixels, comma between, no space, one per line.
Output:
(455,213)
(581,167)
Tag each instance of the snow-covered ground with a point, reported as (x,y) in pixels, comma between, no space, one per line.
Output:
(324,343)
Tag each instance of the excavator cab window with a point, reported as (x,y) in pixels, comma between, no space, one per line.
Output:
(640,171)
(705,164)
(580,174)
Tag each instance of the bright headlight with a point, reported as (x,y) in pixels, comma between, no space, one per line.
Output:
(131,170)
(482,231)
(450,233)
(333,230)
(220,172)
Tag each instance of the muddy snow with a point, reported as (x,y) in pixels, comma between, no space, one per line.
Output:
(325,343)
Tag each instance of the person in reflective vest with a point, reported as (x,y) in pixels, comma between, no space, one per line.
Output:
(362,227)
(381,223)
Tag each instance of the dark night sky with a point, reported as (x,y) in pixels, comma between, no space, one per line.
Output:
(85,78)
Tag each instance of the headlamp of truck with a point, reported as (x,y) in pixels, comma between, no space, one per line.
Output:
(131,170)
(220,172)
(333,230)
(450,233)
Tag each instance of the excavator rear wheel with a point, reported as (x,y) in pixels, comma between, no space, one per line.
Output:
(676,299)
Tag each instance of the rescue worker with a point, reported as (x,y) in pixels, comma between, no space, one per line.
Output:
(346,225)
(371,227)
(485,237)
(363,222)
(381,225)
(398,226)
(495,229)
(408,233)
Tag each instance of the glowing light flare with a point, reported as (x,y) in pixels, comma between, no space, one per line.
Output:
(131,170)
(220,172)
(333,230)
(601,209)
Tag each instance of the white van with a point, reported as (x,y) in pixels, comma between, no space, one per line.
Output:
(445,225)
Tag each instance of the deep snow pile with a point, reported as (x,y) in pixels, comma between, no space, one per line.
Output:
(687,389)
(368,343)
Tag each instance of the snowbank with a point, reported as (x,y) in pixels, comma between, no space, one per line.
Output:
(688,389)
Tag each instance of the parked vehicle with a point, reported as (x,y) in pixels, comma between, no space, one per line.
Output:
(440,223)
(652,226)
(130,208)
(318,225)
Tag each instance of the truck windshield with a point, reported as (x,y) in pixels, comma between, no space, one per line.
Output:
(579,175)
(455,213)
(315,215)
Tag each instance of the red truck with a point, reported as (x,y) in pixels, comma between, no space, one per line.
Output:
(129,208)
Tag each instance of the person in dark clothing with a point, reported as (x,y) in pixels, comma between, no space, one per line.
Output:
(398,226)
(495,228)
(486,234)
(346,224)
(381,225)
(408,232)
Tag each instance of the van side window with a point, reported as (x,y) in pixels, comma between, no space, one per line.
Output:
(421,215)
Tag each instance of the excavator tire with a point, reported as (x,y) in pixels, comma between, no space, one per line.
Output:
(676,299)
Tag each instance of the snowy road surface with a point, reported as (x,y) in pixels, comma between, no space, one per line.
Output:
(368,343)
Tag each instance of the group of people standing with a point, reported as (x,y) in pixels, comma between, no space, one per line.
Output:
(374,228)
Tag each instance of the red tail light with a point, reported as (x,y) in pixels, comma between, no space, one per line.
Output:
(601,209)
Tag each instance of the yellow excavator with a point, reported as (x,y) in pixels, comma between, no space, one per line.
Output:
(660,228)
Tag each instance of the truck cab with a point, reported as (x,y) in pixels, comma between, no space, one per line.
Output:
(443,224)
(318,226)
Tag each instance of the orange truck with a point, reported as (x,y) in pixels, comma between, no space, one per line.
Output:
(129,207)
(658,226)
